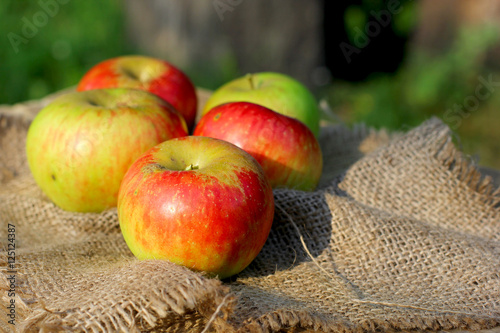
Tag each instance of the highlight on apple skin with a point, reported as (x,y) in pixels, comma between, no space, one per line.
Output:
(146,73)
(80,145)
(198,202)
(286,149)
(278,92)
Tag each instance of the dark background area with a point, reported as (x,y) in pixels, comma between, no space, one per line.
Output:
(383,54)
(406,60)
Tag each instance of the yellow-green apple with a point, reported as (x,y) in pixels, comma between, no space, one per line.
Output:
(279,92)
(286,149)
(81,144)
(198,202)
(151,74)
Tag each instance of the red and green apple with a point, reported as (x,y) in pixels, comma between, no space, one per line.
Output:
(198,202)
(81,144)
(286,149)
(276,91)
(146,73)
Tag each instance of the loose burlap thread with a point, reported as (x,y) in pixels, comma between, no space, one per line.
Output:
(402,234)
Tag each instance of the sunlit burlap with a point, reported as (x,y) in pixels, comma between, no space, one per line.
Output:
(402,234)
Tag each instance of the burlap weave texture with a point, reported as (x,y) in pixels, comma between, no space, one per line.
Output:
(402,234)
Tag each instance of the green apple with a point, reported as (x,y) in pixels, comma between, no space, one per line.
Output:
(80,145)
(276,91)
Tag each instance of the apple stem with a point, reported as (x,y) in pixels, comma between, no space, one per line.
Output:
(191,167)
(250,78)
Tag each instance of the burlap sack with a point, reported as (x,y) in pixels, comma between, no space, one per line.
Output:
(402,234)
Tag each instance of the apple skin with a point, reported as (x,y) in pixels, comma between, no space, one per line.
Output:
(286,149)
(198,202)
(81,144)
(154,75)
(276,91)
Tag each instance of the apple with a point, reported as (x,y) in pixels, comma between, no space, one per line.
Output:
(80,145)
(198,202)
(276,91)
(286,149)
(154,75)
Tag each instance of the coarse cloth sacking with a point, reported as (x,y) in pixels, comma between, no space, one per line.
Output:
(402,234)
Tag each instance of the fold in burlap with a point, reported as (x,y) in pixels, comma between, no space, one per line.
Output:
(402,234)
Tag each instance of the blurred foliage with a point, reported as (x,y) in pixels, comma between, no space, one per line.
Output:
(83,33)
(428,85)
(75,36)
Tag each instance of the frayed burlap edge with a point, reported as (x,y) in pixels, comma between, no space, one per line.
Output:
(196,304)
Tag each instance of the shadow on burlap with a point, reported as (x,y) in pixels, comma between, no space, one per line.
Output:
(402,234)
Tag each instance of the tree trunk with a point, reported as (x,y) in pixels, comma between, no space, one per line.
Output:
(213,38)
(440,21)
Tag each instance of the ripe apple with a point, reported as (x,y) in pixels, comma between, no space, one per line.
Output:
(198,202)
(154,75)
(80,145)
(286,149)
(275,91)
